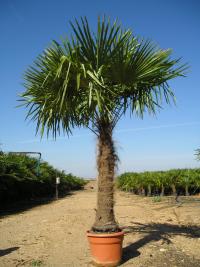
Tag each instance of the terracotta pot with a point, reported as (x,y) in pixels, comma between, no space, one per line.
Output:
(106,249)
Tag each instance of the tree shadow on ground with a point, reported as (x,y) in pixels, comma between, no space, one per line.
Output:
(6,251)
(155,232)
(24,205)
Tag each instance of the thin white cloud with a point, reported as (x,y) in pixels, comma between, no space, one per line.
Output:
(158,127)
(117,131)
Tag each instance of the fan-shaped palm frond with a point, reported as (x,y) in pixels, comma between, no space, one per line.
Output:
(95,76)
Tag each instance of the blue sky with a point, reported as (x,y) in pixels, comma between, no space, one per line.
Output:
(154,143)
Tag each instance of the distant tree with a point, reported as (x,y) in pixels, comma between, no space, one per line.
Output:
(197,154)
(186,179)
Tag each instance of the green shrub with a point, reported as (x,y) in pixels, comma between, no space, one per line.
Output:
(19,179)
(156,199)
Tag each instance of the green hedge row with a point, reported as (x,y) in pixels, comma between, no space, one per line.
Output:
(176,181)
(20,179)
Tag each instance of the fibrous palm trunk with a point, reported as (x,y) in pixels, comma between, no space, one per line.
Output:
(187,190)
(149,190)
(173,189)
(106,161)
(142,191)
(162,191)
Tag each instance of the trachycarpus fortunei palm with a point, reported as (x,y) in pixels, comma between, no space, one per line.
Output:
(91,81)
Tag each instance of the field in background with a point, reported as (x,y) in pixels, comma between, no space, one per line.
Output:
(160,183)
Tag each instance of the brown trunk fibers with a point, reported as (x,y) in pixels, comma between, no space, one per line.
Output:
(187,190)
(106,162)
(173,189)
(162,191)
(149,190)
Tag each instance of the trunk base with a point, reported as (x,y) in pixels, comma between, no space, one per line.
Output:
(112,228)
(106,249)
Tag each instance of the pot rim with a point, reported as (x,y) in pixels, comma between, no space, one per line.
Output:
(93,234)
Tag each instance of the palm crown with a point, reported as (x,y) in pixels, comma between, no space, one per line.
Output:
(95,77)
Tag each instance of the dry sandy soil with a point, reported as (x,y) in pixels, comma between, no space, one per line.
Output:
(157,233)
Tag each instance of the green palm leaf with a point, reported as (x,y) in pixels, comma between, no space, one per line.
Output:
(97,76)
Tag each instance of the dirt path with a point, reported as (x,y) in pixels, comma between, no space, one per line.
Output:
(157,233)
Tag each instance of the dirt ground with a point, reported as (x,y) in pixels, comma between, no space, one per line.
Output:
(158,234)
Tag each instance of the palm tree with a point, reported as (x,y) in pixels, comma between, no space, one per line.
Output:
(173,176)
(91,80)
(160,181)
(196,180)
(197,154)
(162,176)
(187,179)
(150,180)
